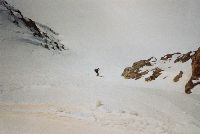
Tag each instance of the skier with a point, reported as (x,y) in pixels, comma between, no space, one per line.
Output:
(97,71)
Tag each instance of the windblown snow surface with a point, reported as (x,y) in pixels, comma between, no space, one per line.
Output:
(51,92)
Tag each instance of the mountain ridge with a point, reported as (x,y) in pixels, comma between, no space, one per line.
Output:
(44,34)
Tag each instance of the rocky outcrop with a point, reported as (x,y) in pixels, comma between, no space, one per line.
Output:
(141,68)
(135,72)
(132,73)
(168,56)
(181,57)
(177,77)
(46,36)
(184,57)
(195,78)
(156,72)
(139,64)
(196,65)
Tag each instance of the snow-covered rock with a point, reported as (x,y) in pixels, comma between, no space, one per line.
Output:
(46,36)
(142,68)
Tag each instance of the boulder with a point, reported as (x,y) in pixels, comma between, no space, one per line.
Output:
(177,77)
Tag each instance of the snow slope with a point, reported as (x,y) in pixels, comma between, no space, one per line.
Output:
(45,91)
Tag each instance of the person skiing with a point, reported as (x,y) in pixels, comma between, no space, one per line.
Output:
(97,71)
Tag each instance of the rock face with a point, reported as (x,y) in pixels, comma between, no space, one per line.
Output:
(157,72)
(184,57)
(195,73)
(141,63)
(141,68)
(134,72)
(196,65)
(168,56)
(137,70)
(177,77)
(43,34)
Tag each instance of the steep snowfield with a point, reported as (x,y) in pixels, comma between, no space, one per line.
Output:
(44,92)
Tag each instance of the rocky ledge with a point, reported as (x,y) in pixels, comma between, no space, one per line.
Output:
(143,68)
(42,33)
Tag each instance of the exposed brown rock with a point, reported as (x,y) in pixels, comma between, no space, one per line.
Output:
(127,73)
(195,72)
(134,72)
(157,72)
(139,64)
(196,65)
(168,56)
(190,84)
(177,77)
(152,59)
(184,57)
